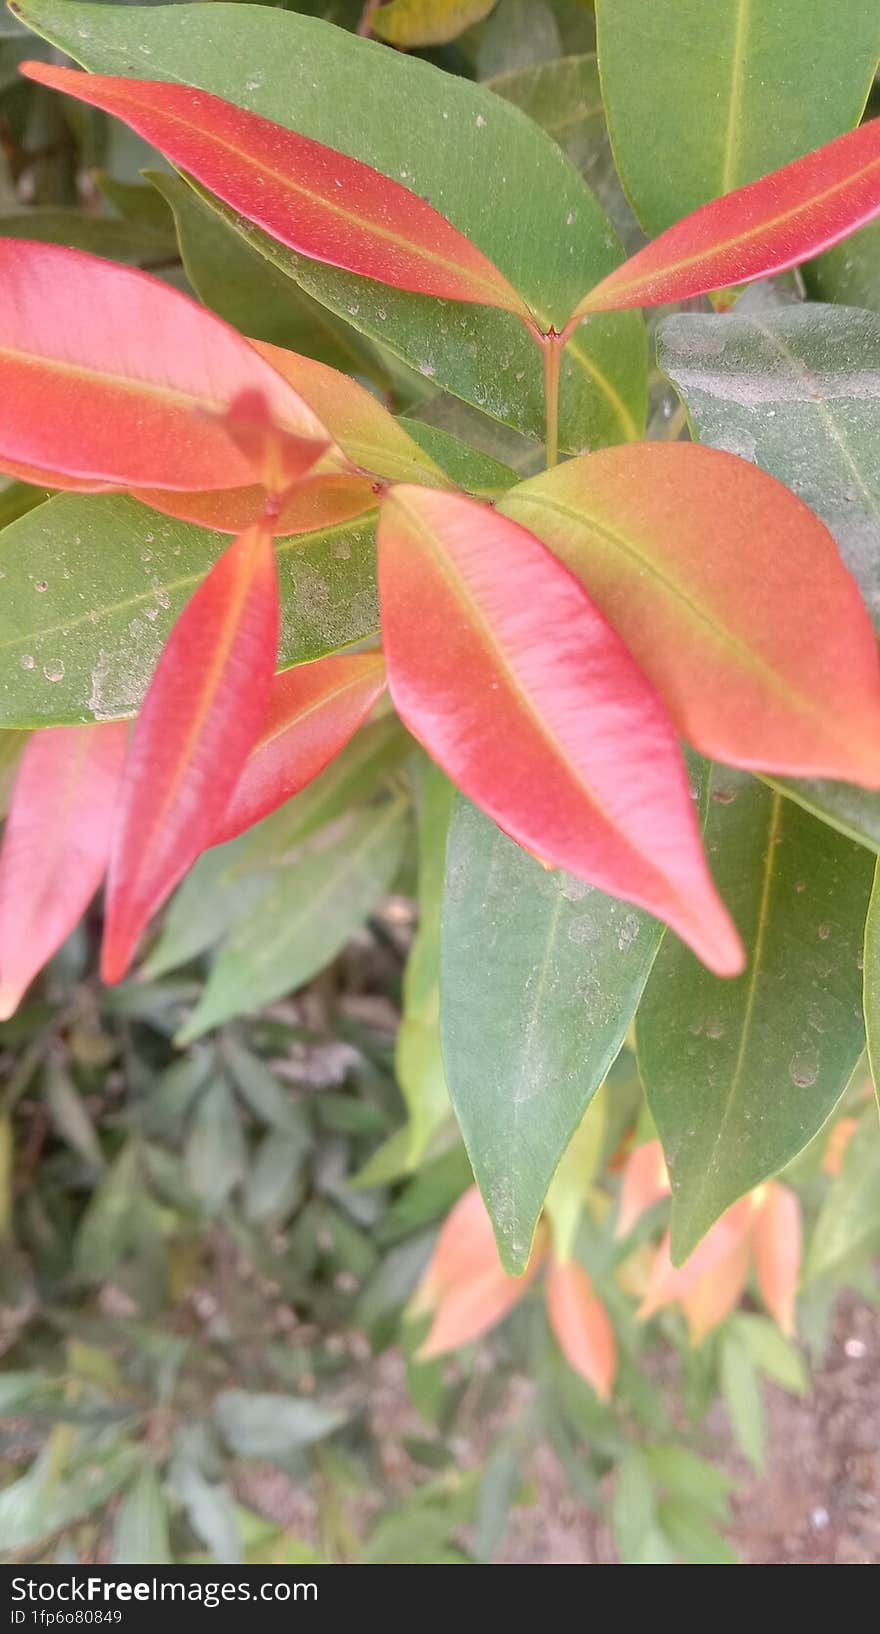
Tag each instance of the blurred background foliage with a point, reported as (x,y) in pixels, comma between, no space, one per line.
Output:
(207,1253)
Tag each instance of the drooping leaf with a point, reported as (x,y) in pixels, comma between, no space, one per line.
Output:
(110,385)
(304,917)
(55,845)
(764,657)
(766,227)
(313,711)
(93,586)
(740,1075)
(702,99)
(312,198)
(203,712)
(410,23)
(455,144)
(581,1325)
(565,745)
(465,1286)
(540,979)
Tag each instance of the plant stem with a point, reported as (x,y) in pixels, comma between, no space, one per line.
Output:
(552,357)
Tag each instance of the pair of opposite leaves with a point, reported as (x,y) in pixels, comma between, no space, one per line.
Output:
(498,661)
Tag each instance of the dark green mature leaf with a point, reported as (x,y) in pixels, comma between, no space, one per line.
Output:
(215,1150)
(796,389)
(540,977)
(304,917)
(499,179)
(702,99)
(140,1534)
(850,272)
(741,1074)
(117,240)
(93,583)
(250,293)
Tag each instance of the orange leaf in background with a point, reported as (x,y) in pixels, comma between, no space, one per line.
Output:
(645,1182)
(787,217)
(777,1244)
(110,385)
(581,1325)
(838,1141)
(464,1285)
(710,1282)
(313,711)
(517,686)
(55,845)
(765,657)
(321,203)
(202,715)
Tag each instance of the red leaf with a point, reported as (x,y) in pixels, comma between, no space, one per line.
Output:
(710,1282)
(581,1325)
(732,597)
(110,384)
(201,717)
(277,458)
(313,711)
(777,1250)
(771,224)
(316,502)
(501,666)
(55,845)
(319,202)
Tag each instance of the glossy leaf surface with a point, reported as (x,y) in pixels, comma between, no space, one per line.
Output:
(766,227)
(764,81)
(740,1075)
(203,712)
(457,145)
(795,389)
(314,199)
(313,711)
(55,845)
(764,656)
(111,383)
(565,745)
(540,978)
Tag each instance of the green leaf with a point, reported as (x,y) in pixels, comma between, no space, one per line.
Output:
(498,1488)
(633,1514)
(741,1389)
(476,472)
(685,1475)
(210,1508)
(40,1503)
(11,750)
(849,1221)
(796,389)
(772,1352)
(691,1535)
(107,1227)
(93,583)
(540,978)
(70,1117)
(304,918)
(249,292)
(215,1150)
(271,1426)
(702,99)
(850,272)
(271,1185)
(564,97)
(99,235)
(497,177)
(140,1535)
(741,1074)
(411,23)
(259,1087)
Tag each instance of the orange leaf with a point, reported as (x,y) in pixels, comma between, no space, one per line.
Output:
(777,1250)
(55,845)
(645,1181)
(581,1325)
(464,1284)
(709,1283)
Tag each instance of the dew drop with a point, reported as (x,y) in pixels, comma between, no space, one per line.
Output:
(26,661)
(43,585)
(54,671)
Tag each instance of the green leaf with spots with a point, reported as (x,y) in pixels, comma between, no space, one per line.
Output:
(93,583)
(704,98)
(304,917)
(741,1074)
(482,163)
(540,978)
(796,389)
